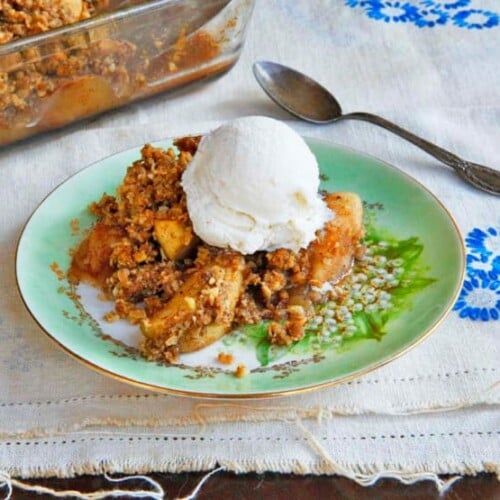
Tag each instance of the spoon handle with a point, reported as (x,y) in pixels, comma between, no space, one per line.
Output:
(441,154)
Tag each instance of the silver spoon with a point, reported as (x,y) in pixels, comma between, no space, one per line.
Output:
(308,100)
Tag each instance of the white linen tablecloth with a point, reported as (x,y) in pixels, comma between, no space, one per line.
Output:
(431,66)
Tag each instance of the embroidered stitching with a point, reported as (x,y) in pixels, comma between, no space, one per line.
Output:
(428,13)
(251,438)
(423,14)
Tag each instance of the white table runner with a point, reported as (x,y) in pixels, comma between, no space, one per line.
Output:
(432,67)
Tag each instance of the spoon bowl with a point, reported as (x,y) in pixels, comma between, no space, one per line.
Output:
(306,99)
(300,95)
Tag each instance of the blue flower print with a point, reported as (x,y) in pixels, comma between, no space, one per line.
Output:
(428,13)
(495,268)
(484,242)
(476,19)
(428,18)
(479,300)
(423,14)
(483,267)
(447,5)
(388,10)
(354,3)
(480,295)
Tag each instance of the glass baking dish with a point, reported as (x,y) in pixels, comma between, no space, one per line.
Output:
(135,50)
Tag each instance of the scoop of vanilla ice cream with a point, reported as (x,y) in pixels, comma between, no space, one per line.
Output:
(253,185)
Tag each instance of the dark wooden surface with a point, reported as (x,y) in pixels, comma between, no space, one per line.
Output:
(229,486)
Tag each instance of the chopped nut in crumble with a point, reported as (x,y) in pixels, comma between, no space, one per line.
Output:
(225,358)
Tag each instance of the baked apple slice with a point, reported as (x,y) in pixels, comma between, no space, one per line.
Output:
(200,313)
(332,253)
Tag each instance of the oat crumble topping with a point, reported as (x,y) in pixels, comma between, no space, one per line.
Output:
(183,293)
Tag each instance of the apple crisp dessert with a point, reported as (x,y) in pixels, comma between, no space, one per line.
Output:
(184,294)
(50,83)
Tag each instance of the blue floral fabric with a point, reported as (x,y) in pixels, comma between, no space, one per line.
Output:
(429,13)
(480,295)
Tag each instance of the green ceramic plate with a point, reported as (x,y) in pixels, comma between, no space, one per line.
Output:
(397,294)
